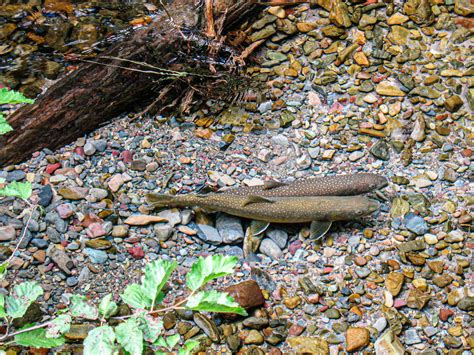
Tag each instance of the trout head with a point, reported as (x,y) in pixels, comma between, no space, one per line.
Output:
(377,182)
(355,207)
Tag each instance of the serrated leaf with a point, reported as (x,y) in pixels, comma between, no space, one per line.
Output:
(37,339)
(151,327)
(210,268)
(3,314)
(22,297)
(214,301)
(58,326)
(3,269)
(107,306)
(130,336)
(134,297)
(22,190)
(100,340)
(4,125)
(148,293)
(81,309)
(13,97)
(157,274)
(172,340)
(189,346)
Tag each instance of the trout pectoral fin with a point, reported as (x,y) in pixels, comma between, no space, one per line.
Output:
(268,185)
(256,199)
(318,229)
(258,227)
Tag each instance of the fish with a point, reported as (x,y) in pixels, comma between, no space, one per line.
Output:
(273,209)
(338,185)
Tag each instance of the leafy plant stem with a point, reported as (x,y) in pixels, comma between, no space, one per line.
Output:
(9,335)
(23,235)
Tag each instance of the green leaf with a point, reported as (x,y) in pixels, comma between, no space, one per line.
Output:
(130,336)
(168,342)
(22,190)
(4,125)
(13,97)
(134,297)
(81,309)
(100,340)
(37,338)
(189,346)
(214,301)
(205,270)
(150,326)
(22,297)
(3,269)
(157,274)
(148,293)
(58,326)
(3,314)
(107,307)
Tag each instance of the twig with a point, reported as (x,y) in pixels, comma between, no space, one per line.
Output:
(23,235)
(9,335)
(210,31)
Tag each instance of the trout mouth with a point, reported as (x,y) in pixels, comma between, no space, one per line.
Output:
(373,206)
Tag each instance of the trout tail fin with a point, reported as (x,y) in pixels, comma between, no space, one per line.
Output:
(160,200)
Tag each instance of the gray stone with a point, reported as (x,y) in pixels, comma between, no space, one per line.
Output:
(89,148)
(209,234)
(416,224)
(96,256)
(163,231)
(173,216)
(100,145)
(271,249)
(72,281)
(230,229)
(280,237)
(411,337)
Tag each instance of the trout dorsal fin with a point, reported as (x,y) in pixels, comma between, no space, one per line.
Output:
(256,199)
(268,185)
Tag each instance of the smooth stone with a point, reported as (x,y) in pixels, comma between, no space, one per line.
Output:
(357,338)
(416,224)
(7,233)
(163,231)
(271,249)
(309,345)
(45,196)
(389,344)
(230,229)
(209,234)
(96,256)
(280,237)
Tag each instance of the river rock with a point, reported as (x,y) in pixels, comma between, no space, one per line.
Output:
(389,344)
(7,233)
(230,229)
(309,345)
(357,338)
(270,248)
(416,224)
(247,294)
(394,282)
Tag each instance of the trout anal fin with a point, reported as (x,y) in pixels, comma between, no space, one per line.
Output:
(268,185)
(318,229)
(256,199)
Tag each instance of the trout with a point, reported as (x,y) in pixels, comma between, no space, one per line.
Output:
(274,209)
(338,185)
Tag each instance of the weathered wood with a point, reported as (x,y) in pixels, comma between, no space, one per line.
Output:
(96,93)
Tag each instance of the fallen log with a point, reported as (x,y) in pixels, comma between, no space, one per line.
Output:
(163,64)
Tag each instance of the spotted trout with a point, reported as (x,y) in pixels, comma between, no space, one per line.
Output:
(338,185)
(274,209)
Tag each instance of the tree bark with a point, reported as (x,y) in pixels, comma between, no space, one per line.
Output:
(96,93)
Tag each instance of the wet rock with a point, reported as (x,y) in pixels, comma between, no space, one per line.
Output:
(163,231)
(207,326)
(247,294)
(143,220)
(389,344)
(418,134)
(33,314)
(416,224)
(425,91)
(61,259)
(73,193)
(463,7)
(453,103)
(310,345)
(419,11)
(417,299)
(380,150)
(209,234)
(7,233)
(230,229)
(394,282)
(256,322)
(386,88)
(270,248)
(280,237)
(466,304)
(96,256)
(254,337)
(411,337)
(79,332)
(45,196)
(357,338)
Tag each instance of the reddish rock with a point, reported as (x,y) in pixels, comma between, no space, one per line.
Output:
(296,330)
(127,156)
(136,252)
(51,168)
(399,303)
(80,151)
(445,313)
(95,230)
(64,210)
(293,247)
(247,294)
